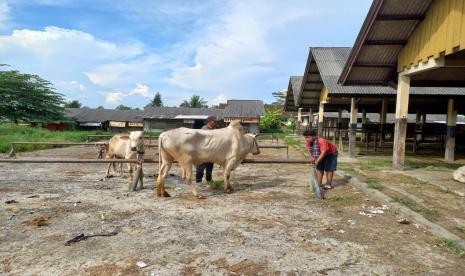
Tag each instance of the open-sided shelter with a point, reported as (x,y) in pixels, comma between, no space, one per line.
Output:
(166,118)
(413,43)
(107,119)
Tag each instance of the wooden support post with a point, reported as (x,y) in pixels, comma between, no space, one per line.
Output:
(287,152)
(364,121)
(340,147)
(418,118)
(423,122)
(139,175)
(417,132)
(353,127)
(339,121)
(310,118)
(382,121)
(13,150)
(321,119)
(451,130)
(400,130)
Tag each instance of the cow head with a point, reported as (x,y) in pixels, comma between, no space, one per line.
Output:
(252,141)
(137,141)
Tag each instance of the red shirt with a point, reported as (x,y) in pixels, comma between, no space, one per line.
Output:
(325,145)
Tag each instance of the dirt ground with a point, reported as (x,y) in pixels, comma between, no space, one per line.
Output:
(429,189)
(270,225)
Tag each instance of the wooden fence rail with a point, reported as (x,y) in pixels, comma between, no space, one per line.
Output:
(12,152)
(97,161)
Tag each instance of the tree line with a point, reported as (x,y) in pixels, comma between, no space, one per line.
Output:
(27,97)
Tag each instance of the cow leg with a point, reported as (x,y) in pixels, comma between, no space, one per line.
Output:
(108,170)
(130,177)
(227,175)
(164,169)
(120,169)
(188,172)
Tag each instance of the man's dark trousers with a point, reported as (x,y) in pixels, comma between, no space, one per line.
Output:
(199,173)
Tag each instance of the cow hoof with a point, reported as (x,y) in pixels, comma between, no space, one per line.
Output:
(200,197)
(229,190)
(108,176)
(165,194)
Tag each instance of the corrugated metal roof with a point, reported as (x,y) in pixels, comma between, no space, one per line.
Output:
(244,109)
(331,61)
(172,112)
(295,84)
(290,102)
(103,115)
(386,28)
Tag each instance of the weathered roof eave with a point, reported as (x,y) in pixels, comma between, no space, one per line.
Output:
(369,20)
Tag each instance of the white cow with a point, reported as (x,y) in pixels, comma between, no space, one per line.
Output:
(123,146)
(226,147)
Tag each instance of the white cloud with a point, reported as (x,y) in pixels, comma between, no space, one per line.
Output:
(219,99)
(238,48)
(57,54)
(141,89)
(117,73)
(114,98)
(82,87)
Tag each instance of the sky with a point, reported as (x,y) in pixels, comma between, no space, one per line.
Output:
(111,52)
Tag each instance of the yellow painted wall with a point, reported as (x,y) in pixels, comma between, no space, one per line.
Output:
(441,32)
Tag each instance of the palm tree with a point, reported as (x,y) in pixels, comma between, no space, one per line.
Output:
(195,102)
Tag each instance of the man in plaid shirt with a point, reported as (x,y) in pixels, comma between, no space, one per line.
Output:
(323,154)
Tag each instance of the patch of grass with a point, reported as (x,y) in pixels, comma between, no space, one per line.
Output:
(292,141)
(415,164)
(151,133)
(341,201)
(451,246)
(375,165)
(347,177)
(429,214)
(216,184)
(374,184)
(347,167)
(460,228)
(14,133)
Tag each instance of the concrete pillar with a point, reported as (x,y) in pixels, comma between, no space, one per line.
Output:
(352,127)
(451,129)
(400,130)
(299,120)
(382,121)
(321,119)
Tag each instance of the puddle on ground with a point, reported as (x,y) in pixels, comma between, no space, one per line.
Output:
(174,180)
(169,180)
